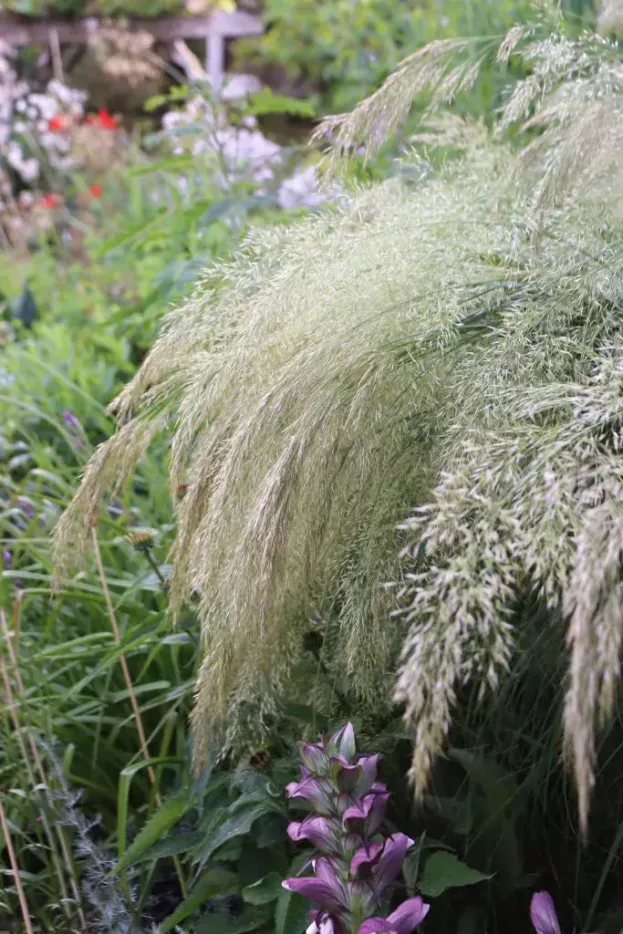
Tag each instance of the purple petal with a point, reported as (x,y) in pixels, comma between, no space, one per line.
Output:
(375,926)
(366,815)
(364,859)
(318,891)
(322,833)
(377,814)
(314,757)
(543,914)
(26,507)
(390,861)
(408,915)
(315,790)
(71,420)
(348,777)
(368,774)
(7,559)
(325,870)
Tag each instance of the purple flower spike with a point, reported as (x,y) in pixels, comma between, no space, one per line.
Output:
(402,921)
(543,914)
(356,865)
(7,559)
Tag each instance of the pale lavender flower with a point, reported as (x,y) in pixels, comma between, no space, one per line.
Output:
(71,420)
(7,559)
(75,429)
(26,507)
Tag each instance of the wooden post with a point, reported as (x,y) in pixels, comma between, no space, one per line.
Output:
(219,25)
(215,61)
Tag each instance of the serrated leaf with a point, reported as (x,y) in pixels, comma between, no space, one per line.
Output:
(155,828)
(266,890)
(215,881)
(172,846)
(446,871)
(236,825)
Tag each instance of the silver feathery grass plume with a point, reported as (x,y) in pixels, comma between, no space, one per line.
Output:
(451,339)
(610,20)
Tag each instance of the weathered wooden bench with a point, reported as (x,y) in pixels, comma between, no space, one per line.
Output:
(214,29)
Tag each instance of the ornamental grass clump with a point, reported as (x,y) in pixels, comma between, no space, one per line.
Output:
(356,864)
(422,386)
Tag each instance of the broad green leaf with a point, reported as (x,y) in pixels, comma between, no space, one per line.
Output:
(266,890)
(291,914)
(172,846)
(446,871)
(309,715)
(493,804)
(215,881)
(237,825)
(252,919)
(156,827)
(123,802)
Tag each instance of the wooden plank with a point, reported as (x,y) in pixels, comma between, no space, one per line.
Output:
(166,28)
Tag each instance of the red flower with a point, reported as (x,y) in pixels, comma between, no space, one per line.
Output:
(51,201)
(59,124)
(95,191)
(104,119)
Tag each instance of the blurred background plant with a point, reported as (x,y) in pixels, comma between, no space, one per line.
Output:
(143,8)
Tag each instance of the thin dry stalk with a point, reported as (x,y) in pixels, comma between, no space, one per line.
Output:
(16,875)
(140,729)
(12,706)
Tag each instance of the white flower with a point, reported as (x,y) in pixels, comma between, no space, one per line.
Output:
(301,190)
